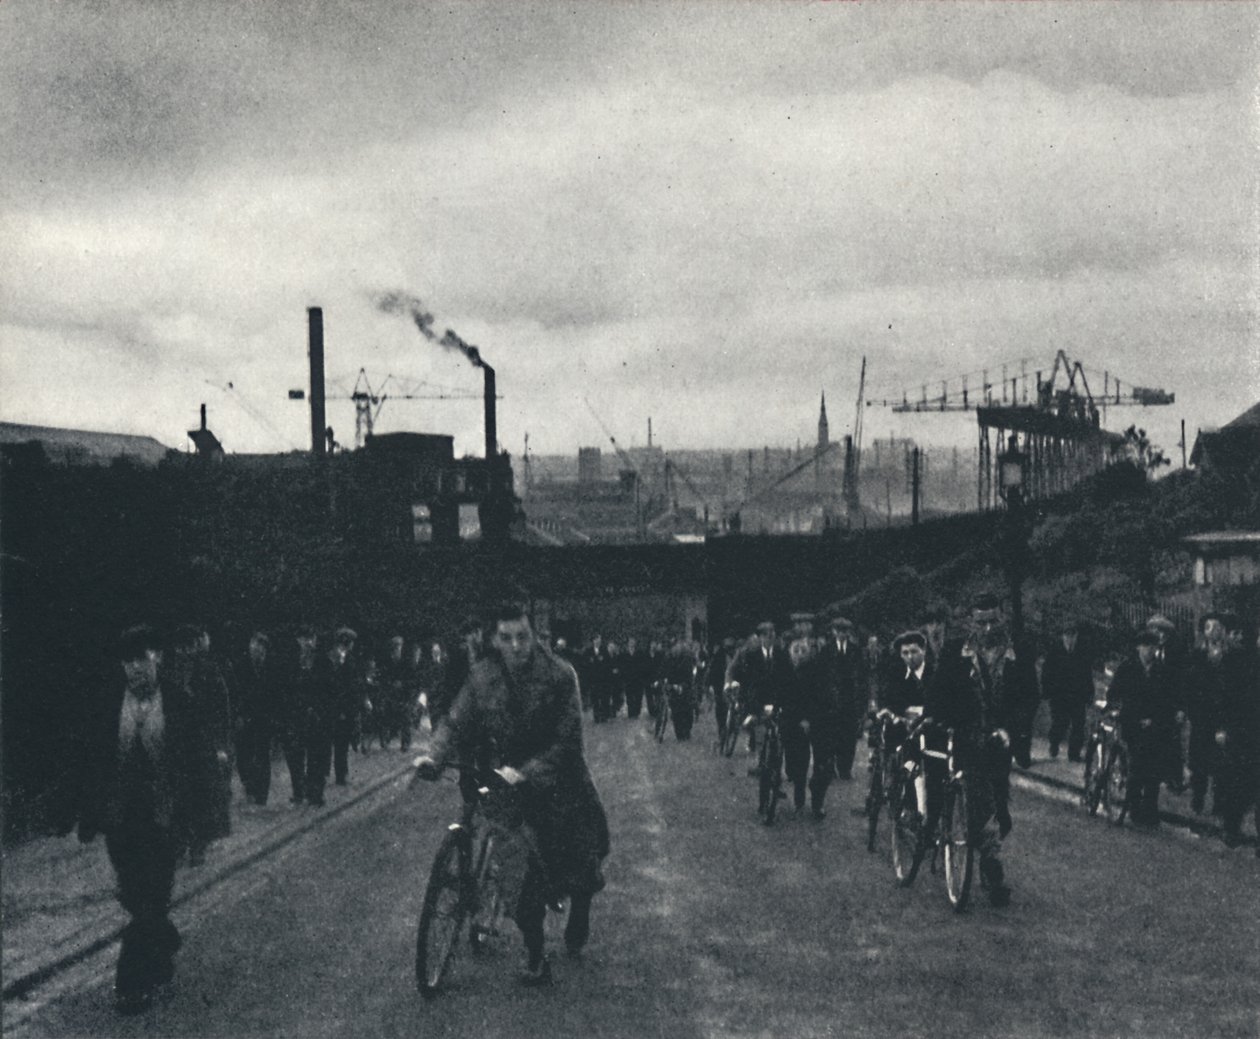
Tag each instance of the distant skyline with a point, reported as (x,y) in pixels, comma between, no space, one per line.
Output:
(704,213)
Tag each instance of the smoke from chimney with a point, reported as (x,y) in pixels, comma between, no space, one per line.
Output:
(404,304)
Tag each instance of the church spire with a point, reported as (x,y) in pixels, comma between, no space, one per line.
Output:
(824,437)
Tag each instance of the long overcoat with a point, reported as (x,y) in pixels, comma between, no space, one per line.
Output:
(192,775)
(533,723)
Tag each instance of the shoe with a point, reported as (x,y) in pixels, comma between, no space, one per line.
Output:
(133,1002)
(296,799)
(819,814)
(1233,840)
(342,782)
(537,975)
(317,802)
(1054,750)
(1075,758)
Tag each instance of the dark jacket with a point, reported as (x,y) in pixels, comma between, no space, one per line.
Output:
(844,674)
(192,771)
(761,681)
(968,695)
(534,724)
(903,690)
(257,694)
(806,697)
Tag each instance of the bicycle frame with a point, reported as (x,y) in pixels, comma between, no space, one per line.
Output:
(1106,768)
(464,884)
(954,843)
(883,767)
(770,768)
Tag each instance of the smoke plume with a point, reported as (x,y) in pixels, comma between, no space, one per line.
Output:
(405,305)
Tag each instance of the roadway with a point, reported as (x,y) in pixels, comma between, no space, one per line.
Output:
(713,925)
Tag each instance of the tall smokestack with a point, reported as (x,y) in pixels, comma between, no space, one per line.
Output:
(492,430)
(203,416)
(315,317)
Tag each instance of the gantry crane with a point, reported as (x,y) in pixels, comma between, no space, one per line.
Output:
(1059,422)
(369,402)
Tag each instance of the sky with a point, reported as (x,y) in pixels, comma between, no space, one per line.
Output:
(704,214)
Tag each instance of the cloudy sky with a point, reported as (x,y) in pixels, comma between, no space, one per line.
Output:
(704,213)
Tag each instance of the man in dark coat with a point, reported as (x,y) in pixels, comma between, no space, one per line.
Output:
(522,703)
(810,721)
(347,696)
(596,679)
(308,713)
(455,672)
(1067,681)
(844,668)
(257,699)
(679,679)
(148,785)
(199,674)
(635,675)
(1148,723)
(985,689)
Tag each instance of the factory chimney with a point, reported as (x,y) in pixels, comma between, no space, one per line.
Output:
(492,432)
(315,317)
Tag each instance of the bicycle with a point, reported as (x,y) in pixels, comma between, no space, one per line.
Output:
(662,711)
(465,884)
(770,767)
(884,743)
(952,840)
(1106,782)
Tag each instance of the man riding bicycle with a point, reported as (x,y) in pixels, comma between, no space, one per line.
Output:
(523,702)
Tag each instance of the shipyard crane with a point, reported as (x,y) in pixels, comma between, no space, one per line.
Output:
(368,402)
(1059,422)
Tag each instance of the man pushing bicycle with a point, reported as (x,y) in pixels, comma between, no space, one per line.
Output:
(523,702)
(983,690)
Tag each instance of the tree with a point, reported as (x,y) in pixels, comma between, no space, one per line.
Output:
(1141,452)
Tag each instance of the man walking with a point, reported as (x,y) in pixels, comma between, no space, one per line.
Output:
(149,779)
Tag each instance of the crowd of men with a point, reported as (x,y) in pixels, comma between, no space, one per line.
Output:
(160,746)
(1190,717)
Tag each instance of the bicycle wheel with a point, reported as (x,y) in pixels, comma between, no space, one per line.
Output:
(1092,791)
(443,914)
(875,797)
(487,912)
(908,847)
(772,778)
(956,839)
(1115,794)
